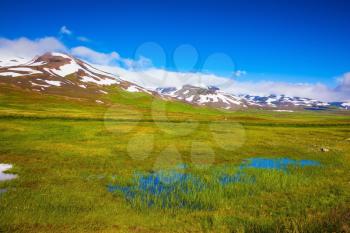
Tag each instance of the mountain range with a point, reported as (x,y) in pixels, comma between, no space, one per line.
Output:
(63,74)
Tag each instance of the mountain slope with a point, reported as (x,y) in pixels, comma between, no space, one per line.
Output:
(58,73)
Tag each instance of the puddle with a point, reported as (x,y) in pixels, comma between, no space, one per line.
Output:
(265,163)
(279,164)
(158,184)
(6,176)
(170,188)
(151,192)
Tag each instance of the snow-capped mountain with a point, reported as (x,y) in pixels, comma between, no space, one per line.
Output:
(213,97)
(282,101)
(58,72)
(210,96)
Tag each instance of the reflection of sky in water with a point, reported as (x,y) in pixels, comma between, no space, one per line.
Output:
(5,176)
(279,164)
(160,184)
(264,163)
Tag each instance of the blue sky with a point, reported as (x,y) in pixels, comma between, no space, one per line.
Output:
(289,41)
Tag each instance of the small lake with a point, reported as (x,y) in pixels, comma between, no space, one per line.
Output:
(151,187)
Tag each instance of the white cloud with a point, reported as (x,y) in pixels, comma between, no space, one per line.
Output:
(83,39)
(143,73)
(140,64)
(94,56)
(65,31)
(240,73)
(344,82)
(153,78)
(343,87)
(112,58)
(26,48)
(315,91)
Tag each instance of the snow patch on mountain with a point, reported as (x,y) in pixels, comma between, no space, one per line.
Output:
(132,89)
(54,83)
(11,74)
(12,61)
(40,63)
(65,70)
(39,85)
(105,81)
(25,69)
(60,55)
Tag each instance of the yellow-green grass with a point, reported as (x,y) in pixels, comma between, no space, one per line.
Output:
(66,152)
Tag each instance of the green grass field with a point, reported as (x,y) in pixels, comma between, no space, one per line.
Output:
(67,151)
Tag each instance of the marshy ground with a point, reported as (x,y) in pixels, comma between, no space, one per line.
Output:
(68,154)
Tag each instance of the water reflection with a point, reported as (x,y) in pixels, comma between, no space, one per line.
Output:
(5,176)
(171,187)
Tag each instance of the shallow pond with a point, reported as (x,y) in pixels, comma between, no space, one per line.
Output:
(265,163)
(279,164)
(162,185)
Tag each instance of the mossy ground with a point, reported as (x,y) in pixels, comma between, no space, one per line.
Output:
(66,152)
